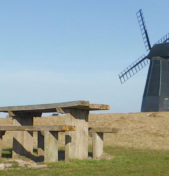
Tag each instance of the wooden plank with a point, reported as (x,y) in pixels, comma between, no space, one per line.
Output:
(46,107)
(99,107)
(103,130)
(38,128)
(54,107)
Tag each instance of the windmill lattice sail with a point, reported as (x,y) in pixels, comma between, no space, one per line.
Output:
(144,33)
(164,39)
(133,69)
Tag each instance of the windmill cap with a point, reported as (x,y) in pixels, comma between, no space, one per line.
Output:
(159,50)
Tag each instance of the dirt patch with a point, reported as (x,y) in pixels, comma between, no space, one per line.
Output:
(19,163)
(106,156)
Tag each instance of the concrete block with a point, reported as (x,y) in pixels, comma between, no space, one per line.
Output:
(77,141)
(97,140)
(22,140)
(50,146)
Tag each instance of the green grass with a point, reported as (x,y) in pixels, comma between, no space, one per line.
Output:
(125,162)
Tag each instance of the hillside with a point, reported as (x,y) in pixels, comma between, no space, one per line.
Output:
(138,130)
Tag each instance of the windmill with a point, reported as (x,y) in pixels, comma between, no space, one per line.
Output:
(156,92)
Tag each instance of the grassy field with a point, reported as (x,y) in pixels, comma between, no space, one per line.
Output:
(141,148)
(125,162)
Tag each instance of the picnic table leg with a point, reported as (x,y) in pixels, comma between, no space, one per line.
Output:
(50,146)
(77,141)
(97,140)
(23,140)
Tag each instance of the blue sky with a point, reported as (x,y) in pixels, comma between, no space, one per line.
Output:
(54,51)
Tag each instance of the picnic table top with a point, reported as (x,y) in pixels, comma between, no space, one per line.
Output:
(84,105)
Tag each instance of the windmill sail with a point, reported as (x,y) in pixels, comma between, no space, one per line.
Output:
(164,39)
(144,33)
(133,69)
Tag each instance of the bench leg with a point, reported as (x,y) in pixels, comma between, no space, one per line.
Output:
(97,140)
(1,135)
(40,143)
(23,140)
(50,146)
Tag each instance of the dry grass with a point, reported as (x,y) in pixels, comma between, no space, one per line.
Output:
(136,130)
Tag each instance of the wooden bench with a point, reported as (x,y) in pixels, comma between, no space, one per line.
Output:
(50,138)
(98,139)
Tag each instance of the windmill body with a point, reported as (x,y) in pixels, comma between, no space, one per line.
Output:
(156,93)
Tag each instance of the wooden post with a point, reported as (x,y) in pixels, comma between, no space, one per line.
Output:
(97,140)
(50,146)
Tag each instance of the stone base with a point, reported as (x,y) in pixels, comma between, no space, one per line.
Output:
(50,146)
(77,141)
(97,139)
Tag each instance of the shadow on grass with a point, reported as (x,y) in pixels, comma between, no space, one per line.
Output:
(7,153)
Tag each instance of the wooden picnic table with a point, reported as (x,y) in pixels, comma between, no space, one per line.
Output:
(77,113)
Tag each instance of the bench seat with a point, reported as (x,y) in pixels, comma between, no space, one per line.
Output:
(50,138)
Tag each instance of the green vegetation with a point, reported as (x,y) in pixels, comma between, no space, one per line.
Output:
(125,162)
(7,153)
